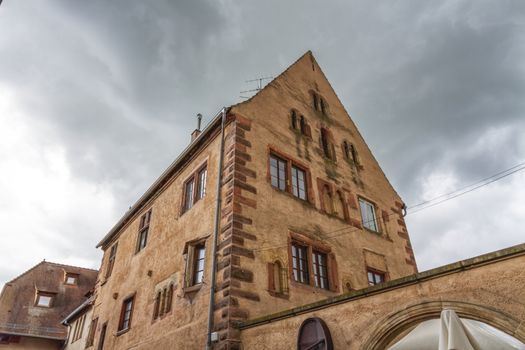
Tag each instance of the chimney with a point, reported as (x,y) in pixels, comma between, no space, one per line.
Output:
(197,131)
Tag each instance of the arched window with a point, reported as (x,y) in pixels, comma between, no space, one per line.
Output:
(157,306)
(339,205)
(302,124)
(316,101)
(163,302)
(326,143)
(322,105)
(314,335)
(353,152)
(169,298)
(346,150)
(294,120)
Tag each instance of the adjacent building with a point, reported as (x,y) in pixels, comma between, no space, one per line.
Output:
(33,305)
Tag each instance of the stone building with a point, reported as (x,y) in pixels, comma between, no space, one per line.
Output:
(78,324)
(33,305)
(299,206)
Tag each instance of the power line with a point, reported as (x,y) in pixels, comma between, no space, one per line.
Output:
(346,230)
(468,191)
(465,187)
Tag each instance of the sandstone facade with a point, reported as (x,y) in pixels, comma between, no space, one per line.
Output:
(298,119)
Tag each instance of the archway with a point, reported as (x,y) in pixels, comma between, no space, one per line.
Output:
(390,327)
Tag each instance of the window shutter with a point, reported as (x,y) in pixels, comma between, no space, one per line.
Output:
(271,277)
(334,275)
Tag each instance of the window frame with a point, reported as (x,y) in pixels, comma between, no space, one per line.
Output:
(313,246)
(123,311)
(290,163)
(198,190)
(50,295)
(360,200)
(91,333)
(375,272)
(102,336)
(144,226)
(72,275)
(111,260)
(190,261)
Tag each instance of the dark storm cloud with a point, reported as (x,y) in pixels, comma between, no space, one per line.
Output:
(433,86)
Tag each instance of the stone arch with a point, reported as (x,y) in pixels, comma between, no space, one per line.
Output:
(387,328)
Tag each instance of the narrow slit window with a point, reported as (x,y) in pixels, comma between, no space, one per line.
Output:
(188,194)
(294,120)
(143,230)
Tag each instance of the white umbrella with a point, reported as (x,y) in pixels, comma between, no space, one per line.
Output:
(452,333)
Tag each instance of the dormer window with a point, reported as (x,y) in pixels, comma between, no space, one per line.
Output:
(44,299)
(71,279)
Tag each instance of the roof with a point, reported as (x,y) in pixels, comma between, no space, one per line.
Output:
(174,167)
(18,313)
(86,305)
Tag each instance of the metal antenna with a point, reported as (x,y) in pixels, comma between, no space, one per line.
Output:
(199,120)
(259,85)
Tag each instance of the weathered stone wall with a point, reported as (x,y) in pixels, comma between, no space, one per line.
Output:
(160,263)
(488,289)
(278,213)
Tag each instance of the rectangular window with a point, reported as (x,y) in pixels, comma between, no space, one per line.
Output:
(300,263)
(320,269)
(368,215)
(125,314)
(111,260)
(278,172)
(298,182)
(91,335)
(44,299)
(71,278)
(102,336)
(188,194)
(201,184)
(198,264)
(375,277)
(143,231)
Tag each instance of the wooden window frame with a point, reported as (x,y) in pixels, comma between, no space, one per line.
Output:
(122,320)
(290,162)
(197,188)
(144,226)
(376,209)
(189,262)
(102,336)
(318,246)
(50,295)
(111,260)
(69,275)
(375,272)
(91,334)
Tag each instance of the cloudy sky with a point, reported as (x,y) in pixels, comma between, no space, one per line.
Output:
(98,97)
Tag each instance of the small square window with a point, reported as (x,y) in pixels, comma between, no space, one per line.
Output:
(375,277)
(44,299)
(71,278)
(368,215)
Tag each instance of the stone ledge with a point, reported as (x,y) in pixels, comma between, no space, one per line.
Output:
(456,267)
